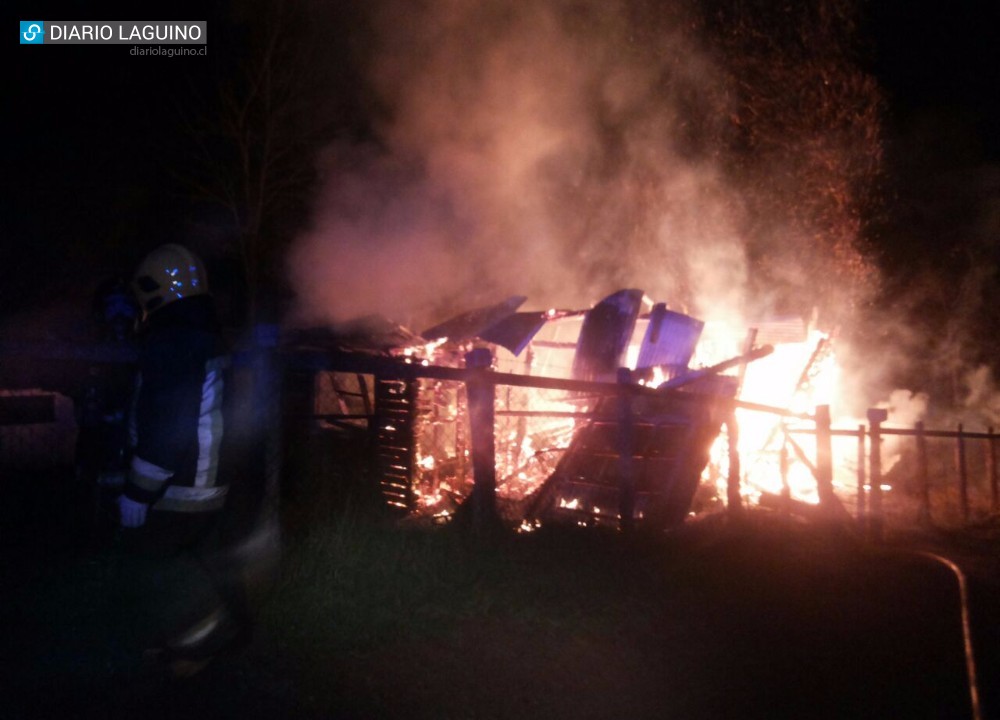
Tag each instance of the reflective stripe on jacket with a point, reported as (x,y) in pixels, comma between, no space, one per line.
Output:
(177,416)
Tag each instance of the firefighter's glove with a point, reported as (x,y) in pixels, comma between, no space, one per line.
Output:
(132,514)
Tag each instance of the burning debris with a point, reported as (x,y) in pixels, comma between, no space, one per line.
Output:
(564,443)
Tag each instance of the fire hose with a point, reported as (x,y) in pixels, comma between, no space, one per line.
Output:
(963,596)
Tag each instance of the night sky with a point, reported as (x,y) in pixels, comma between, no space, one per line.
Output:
(87,160)
(95,146)
(940,61)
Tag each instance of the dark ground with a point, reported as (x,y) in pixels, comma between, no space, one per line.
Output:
(767,618)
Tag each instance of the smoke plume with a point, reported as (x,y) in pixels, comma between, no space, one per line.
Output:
(563,150)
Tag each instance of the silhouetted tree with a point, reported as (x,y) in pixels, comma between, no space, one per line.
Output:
(255,139)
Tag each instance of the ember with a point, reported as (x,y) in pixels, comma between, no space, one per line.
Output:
(557,451)
(621,414)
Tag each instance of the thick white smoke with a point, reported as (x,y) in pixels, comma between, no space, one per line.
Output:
(547,149)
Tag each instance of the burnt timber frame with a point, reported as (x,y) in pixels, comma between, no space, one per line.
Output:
(480,384)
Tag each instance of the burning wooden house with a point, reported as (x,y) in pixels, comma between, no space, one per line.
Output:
(567,444)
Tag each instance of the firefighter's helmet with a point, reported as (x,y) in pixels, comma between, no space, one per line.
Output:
(169,273)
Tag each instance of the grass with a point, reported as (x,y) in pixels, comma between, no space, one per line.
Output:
(414,620)
(360,584)
(377,619)
(766,618)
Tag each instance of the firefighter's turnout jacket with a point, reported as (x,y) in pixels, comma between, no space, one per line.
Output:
(176,424)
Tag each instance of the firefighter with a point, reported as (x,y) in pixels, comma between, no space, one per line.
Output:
(170,508)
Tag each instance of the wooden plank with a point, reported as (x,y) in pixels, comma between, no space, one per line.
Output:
(400,371)
(480,396)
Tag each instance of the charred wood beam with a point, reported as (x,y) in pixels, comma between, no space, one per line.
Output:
(390,367)
(803,458)
(816,353)
(547,414)
(481,396)
(682,380)
(823,469)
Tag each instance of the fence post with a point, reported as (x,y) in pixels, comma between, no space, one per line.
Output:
(733,501)
(862,475)
(824,457)
(876,416)
(923,476)
(626,465)
(991,471)
(963,473)
(480,394)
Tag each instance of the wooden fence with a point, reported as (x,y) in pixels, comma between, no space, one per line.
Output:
(481,383)
(267,364)
(870,510)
